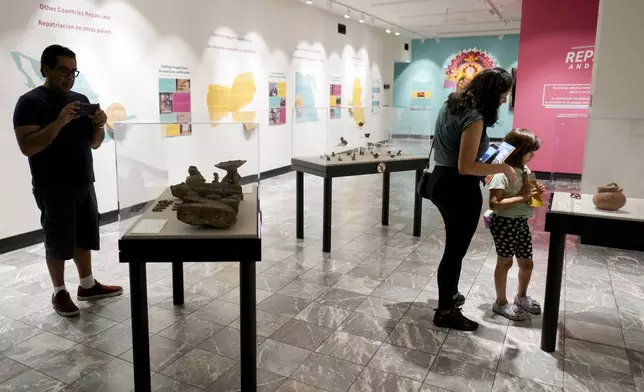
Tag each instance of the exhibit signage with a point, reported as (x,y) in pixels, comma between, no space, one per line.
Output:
(580,57)
(277,99)
(566,96)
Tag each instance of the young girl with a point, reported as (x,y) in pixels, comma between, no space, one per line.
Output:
(511,204)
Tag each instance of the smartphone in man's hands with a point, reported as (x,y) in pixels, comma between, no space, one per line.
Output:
(86,109)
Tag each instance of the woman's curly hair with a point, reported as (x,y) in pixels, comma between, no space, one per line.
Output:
(483,94)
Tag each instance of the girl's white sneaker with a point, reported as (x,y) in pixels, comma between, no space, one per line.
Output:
(528,304)
(510,311)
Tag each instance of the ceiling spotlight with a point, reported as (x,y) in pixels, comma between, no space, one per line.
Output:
(309,2)
(361,20)
(346,14)
(397,33)
(388,30)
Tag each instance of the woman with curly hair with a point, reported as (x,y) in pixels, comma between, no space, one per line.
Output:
(460,139)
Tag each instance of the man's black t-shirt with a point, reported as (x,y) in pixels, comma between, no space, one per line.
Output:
(67,161)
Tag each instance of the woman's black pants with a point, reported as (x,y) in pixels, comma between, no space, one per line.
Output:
(459,200)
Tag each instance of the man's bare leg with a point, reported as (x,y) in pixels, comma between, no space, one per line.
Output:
(57,272)
(83,260)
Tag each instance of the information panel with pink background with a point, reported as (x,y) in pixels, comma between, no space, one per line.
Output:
(556,51)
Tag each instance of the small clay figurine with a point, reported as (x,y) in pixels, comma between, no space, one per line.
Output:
(342,142)
(375,155)
(328,158)
(332,153)
(322,156)
(349,152)
(361,152)
(399,153)
(367,135)
(339,158)
(353,157)
(392,156)
(389,152)
(215,178)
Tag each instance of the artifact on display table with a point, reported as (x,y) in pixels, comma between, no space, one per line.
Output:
(162,205)
(610,197)
(212,204)
(343,142)
(232,176)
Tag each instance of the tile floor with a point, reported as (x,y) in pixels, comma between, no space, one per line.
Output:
(357,319)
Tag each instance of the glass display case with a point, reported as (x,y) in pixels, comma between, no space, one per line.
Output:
(613,154)
(340,135)
(567,155)
(163,168)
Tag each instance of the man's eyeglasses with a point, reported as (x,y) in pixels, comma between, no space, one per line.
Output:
(66,72)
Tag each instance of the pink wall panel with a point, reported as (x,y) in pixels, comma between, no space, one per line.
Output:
(556,49)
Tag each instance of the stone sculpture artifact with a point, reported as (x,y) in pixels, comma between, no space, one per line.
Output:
(342,142)
(211,204)
(609,197)
(232,176)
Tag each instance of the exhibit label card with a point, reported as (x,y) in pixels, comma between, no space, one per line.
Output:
(149,226)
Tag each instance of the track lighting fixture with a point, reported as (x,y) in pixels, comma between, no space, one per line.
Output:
(388,30)
(347,15)
(361,20)
(397,33)
(309,2)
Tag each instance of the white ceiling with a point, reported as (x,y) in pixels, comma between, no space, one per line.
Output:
(432,18)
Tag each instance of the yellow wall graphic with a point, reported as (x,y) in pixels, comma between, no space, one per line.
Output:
(223,100)
(356,101)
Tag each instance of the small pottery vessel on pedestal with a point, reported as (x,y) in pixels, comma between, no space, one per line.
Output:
(609,197)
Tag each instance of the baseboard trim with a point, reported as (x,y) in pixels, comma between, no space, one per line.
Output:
(407,136)
(23,240)
(557,176)
(30,238)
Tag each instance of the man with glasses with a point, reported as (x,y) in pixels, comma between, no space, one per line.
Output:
(58,142)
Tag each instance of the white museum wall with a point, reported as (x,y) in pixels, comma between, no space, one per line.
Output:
(615,135)
(215,42)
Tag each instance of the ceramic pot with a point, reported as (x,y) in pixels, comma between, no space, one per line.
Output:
(609,197)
